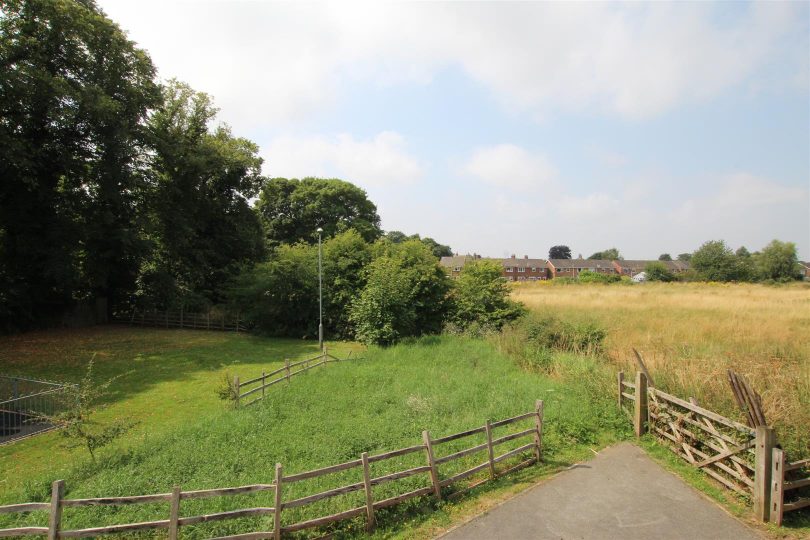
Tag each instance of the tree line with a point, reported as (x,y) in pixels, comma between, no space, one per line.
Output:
(716,261)
(122,188)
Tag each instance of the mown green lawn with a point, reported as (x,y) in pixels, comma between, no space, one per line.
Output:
(188,437)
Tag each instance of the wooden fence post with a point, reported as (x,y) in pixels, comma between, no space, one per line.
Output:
(640,410)
(490,452)
(174,513)
(538,434)
(55,517)
(287,369)
(763,453)
(236,388)
(369,497)
(777,486)
(263,377)
(434,473)
(278,505)
(620,380)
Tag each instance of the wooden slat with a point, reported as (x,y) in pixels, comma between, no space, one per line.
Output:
(461,453)
(513,436)
(705,412)
(405,496)
(231,514)
(326,519)
(516,451)
(94,531)
(136,499)
(322,362)
(512,420)
(323,495)
(631,397)
(724,455)
(456,436)
(246,536)
(322,471)
(797,465)
(465,474)
(795,505)
(777,483)
(23,531)
(203,493)
(396,453)
(720,478)
(521,465)
(24,507)
(399,475)
(796,484)
(628,384)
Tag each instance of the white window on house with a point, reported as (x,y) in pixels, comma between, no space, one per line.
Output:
(457,269)
(508,268)
(534,269)
(521,269)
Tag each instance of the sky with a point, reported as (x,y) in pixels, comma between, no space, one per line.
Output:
(506,128)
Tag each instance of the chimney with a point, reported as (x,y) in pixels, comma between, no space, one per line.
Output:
(526,257)
(513,255)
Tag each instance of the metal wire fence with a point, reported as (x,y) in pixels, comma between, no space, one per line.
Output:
(23,405)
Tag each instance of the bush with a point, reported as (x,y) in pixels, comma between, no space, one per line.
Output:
(553,333)
(480,298)
(658,271)
(587,276)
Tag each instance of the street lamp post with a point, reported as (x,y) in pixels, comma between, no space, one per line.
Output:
(320,292)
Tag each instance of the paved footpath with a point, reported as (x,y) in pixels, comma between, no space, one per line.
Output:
(620,494)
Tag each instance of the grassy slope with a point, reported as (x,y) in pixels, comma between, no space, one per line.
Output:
(324,417)
(168,378)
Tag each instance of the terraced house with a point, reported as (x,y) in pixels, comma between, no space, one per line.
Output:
(514,268)
(573,267)
(631,268)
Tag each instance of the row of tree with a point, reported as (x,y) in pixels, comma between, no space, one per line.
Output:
(716,261)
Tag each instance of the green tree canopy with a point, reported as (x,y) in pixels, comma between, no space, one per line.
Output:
(777,261)
(439,250)
(714,261)
(685,257)
(74,95)
(665,257)
(658,271)
(292,210)
(559,252)
(611,254)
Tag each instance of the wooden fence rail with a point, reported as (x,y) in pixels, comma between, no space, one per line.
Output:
(788,479)
(740,457)
(366,482)
(287,371)
(182,319)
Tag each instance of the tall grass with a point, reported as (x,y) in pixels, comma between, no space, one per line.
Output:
(691,333)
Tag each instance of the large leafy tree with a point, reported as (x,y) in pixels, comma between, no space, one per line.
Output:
(202,227)
(611,254)
(715,261)
(481,297)
(74,94)
(292,210)
(777,261)
(439,250)
(559,252)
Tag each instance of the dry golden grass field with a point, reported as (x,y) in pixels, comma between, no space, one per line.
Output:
(690,333)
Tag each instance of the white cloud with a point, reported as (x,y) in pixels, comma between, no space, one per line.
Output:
(595,206)
(510,166)
(277,62)
(380,161)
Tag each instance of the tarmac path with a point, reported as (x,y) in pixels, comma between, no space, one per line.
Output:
(620,494)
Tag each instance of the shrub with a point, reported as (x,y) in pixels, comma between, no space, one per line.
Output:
(553,333)
(480,298)
(587,276)
(658,271)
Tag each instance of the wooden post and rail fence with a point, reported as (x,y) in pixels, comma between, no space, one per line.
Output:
(183,319)
(433,485)
(743,458)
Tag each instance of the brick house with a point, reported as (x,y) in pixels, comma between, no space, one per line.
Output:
(572,267)
(804,267)
(514,269)
(631,268)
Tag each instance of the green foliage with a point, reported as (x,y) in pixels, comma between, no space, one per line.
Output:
(685,257)
(553,333)
(439,250)
(405,295)
(658,271)
(481,297)
(559,252)
(74,94)
(611,254)
(292,210)
(588,276)
(665,257)
(715,261)
(777,261)
(76,422)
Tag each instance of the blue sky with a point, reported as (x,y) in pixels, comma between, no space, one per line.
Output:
(503,128)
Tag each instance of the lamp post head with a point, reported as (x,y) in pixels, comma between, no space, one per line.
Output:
(319,230)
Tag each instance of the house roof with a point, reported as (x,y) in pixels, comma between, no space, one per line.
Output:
(522,263)
(460,260)
(638,266)
(455,260)
(586,264)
